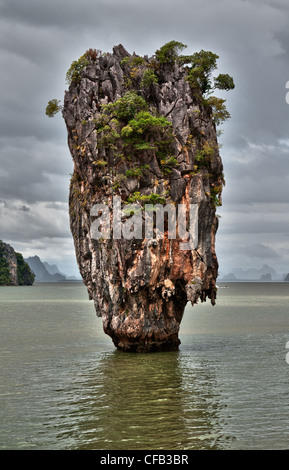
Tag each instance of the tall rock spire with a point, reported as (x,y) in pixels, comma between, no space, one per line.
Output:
(140,133)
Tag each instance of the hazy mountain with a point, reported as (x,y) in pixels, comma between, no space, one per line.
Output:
(265,273)
(229,277)
(53,269)
(41,273)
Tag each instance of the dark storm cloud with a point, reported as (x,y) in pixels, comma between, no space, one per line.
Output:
(24,209)
(37,223)
(259,250)
(256,250)
(39,40)
(32,170)
(261,220)
(257,173)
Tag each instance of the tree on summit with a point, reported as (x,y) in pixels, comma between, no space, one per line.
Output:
(201,66)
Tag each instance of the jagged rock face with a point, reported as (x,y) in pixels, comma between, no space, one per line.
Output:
(8,254)
(140,287)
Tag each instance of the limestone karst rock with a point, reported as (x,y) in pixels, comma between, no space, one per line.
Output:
(14,270)
(137,130)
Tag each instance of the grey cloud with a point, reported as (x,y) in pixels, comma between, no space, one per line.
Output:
(34,171)
(60,206)
(259,250)
(24,208)
(255,250)
(258,220)
(37,223)
(245,252)
(256,173)
(254,225)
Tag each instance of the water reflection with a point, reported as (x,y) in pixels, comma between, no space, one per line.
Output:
(152,401)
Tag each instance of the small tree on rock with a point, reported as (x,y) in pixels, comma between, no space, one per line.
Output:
(53,107)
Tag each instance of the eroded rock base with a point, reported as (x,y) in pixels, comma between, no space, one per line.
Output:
(143,345)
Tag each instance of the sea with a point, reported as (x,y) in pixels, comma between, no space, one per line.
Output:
(64,386)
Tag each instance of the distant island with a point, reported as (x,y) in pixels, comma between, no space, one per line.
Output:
(45,272)
(14,271)
(263,274)
(17,271)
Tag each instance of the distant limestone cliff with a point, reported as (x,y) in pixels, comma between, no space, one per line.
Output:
(144,130)
(42,274)
(14,271)
(45,272)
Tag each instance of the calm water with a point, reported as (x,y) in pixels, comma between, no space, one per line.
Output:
(64,386)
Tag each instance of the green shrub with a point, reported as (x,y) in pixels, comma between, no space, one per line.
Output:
(169,52)
(138,61)
(149,78)
(118,181)
(201,154)
(5,276)
(203,63)
(148,132)
(199,76)
(200,159)
(74,71)
(219,110)
(168,163)
(53,107)
(134,173)
(145,122)
(215,195)
(152,198)
(125,61)
(109,136)
(224,82)
(142,145)
(170,160)
(132,61)
(125,107)
(100,163)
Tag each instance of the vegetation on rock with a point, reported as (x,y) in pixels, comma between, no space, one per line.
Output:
(25,275)
(73,74)
(169,52)
(5,276)
(13,269)
(53,107)
(200,67)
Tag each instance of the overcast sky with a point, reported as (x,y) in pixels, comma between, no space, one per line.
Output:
(39,40)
